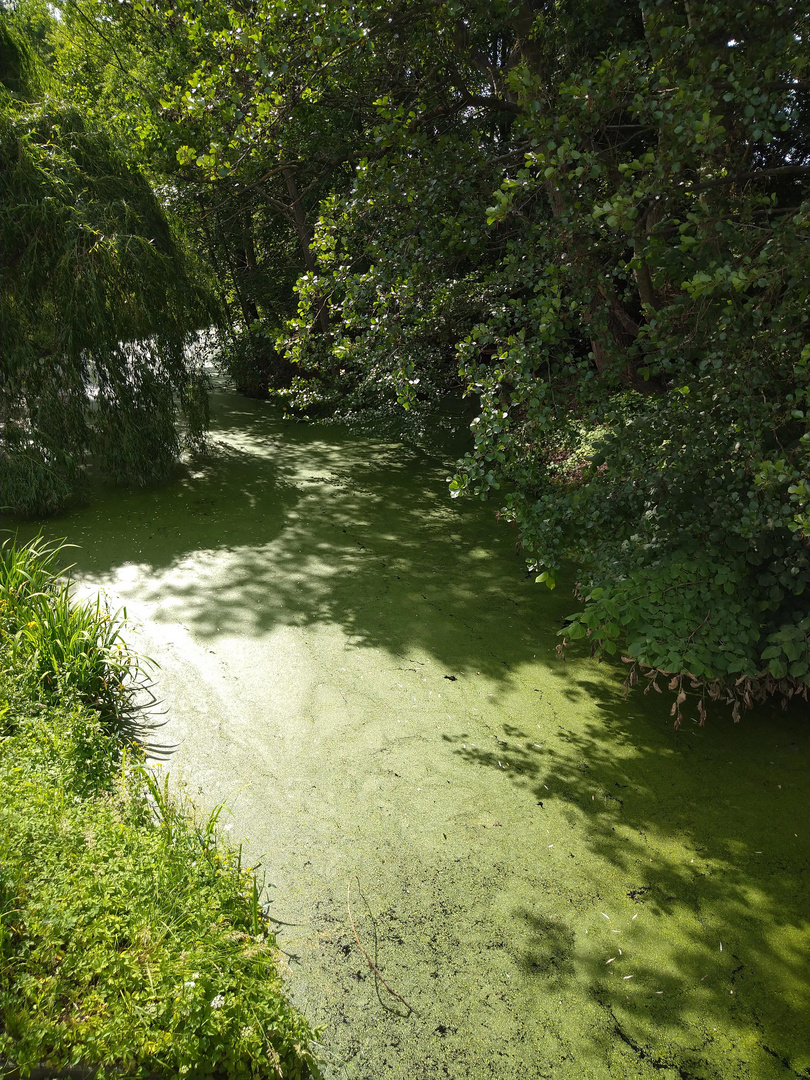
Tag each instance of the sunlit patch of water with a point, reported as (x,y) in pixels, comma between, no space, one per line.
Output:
(361,669)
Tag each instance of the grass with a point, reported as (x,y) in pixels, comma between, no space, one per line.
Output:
(132,940)
(65,647)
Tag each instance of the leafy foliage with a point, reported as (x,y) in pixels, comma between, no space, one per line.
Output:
(639,351)
(679,251)
(61,646)
(593,221)
(97,304)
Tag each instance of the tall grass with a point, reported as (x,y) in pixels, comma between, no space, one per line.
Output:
(132,939)
(26,572)
(63,646)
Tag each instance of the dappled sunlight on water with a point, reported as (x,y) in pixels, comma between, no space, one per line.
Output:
(280,527)
(711,923)
(560,883)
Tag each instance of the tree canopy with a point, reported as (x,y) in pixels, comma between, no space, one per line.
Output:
(97,303)
(593,220)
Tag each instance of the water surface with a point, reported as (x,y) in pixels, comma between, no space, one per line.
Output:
(557,882)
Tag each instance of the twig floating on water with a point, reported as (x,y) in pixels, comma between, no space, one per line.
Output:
(373,966)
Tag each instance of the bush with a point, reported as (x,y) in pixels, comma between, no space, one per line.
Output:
(250,358)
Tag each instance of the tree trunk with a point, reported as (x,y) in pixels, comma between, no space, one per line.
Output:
(304,231)
(245,259)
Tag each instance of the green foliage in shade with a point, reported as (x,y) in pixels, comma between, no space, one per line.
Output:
(252,361)
(679,252)
(98,304)
(413,231)
(634,325)
(131,937)
(592,219)
(21,73)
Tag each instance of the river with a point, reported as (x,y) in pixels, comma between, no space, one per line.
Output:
(552,880)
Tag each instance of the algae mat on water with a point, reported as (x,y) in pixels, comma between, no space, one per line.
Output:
(557,882)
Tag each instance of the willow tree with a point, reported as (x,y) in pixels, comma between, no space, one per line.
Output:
(98,305)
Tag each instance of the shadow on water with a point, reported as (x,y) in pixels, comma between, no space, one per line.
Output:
(703,833)
(285,524)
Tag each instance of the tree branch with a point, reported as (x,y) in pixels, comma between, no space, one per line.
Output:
(734,178)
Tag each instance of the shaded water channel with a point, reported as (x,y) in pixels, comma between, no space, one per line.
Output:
(558,883)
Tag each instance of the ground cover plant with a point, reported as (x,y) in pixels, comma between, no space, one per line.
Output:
(131,938)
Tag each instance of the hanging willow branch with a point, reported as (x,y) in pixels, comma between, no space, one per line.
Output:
(98,302)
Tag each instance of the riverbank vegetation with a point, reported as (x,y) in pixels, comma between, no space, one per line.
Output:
(132,940)
(98,302)
(591,220)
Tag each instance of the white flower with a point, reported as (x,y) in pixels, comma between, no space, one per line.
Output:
(188,985)
(218,1002)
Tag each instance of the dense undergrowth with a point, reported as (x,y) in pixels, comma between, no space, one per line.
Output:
(132,940)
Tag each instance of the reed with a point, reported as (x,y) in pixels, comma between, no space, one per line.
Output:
(66,647)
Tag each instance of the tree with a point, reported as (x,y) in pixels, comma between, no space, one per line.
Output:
(641,356)
(595,218)
(233,128)
(98,304)
(675,167)
(268,111)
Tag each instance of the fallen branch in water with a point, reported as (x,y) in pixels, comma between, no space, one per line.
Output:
(369,961)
